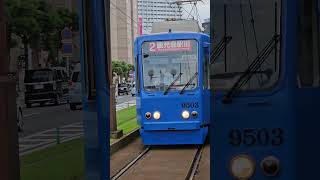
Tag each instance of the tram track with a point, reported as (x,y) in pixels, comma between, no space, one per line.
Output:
(130,164)
(195,164)
(150,164)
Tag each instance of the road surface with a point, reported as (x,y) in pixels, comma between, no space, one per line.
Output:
(37,119)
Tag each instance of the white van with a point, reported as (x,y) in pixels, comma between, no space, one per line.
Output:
(75,94)
(133,89)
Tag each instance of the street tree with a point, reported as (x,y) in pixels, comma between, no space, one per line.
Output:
(38,25)
(22,18)
(121,68)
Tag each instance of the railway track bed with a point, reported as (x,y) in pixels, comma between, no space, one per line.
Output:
(160,162)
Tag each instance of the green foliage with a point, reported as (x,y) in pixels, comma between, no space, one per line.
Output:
(121,68)
(38,24)
(23,21)
(67,18)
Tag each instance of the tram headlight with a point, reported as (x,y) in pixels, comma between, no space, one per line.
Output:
(194,114)
(148,115)
(242,167)
(270,166)
(156,115)
(185,114)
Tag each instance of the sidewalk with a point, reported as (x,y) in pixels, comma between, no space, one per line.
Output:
(50,137)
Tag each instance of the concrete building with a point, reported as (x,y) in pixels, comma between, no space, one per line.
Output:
(69,4)
(124,29)
(124,26)
(156,11)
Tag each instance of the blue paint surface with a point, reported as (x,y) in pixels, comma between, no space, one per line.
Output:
(171,128)
(282,107)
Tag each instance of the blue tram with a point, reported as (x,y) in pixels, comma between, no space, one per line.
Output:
(266,89)
(172,87)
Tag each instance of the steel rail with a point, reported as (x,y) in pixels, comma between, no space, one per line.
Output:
(130,164)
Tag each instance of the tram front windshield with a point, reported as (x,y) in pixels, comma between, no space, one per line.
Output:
(252,24)
(170,64)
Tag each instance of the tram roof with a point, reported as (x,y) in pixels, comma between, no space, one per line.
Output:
(172,35)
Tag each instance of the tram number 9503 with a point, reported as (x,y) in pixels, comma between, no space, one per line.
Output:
(254,137)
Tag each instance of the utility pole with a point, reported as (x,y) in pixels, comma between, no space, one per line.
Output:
(114,132)
(9,151)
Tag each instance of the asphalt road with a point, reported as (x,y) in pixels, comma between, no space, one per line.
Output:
(37,119)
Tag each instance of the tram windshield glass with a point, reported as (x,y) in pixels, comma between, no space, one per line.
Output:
(252,25)
(170,64)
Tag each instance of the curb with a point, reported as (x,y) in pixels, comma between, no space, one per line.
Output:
(124,141)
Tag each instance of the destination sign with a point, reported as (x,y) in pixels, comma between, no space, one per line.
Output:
(170,46)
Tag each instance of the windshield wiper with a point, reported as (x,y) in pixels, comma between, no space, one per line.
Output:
(172,83)
(254,66)
(189,82)
(217,50)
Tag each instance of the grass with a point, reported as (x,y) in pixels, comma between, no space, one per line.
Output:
(60,162)
(66,161)
(126,119)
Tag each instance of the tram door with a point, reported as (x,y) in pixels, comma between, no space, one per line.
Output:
(253,121)
(94,30)
(308,91)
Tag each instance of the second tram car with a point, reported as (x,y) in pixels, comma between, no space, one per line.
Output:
(266,90)
(172,88)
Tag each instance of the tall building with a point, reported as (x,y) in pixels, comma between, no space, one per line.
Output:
(156,11)
(124,29)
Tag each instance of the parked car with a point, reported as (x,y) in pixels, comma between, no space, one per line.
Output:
(75,88)
(45,85)
(123,89)
(133,89)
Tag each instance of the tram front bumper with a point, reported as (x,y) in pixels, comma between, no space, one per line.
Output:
(165,126)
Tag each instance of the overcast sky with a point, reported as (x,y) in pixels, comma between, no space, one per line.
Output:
(203,8)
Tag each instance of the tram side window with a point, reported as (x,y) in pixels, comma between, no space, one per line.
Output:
(90,83)
(206,83)
(308,64)
(137,75)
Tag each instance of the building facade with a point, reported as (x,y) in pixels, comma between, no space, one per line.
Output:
(123,22)
(152,11)
(124,29)
(69,4)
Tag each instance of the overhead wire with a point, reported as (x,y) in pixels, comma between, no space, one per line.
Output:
(180,7)
(255,36)
(126,14)
(197,11)
(244,34)
(123,20)
(191,12)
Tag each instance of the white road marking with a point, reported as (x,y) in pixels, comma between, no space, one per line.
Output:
(71,130)
(66,133)
(31,114)
(33,140)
